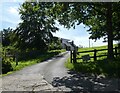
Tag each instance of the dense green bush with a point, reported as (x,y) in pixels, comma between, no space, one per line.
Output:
(29,55)
(6,66)
(36,53)
(6,62)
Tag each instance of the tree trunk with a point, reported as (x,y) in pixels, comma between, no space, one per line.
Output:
(109,30)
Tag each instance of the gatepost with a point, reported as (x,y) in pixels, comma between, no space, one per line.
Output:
(74,56)
(71,56)
(74,52)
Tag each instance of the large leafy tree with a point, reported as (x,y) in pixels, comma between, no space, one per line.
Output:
(34,32)
(102,19)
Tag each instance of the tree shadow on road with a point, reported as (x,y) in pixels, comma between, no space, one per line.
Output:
(86,83)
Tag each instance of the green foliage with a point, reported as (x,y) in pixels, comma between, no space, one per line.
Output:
(25,56)
(93,15)
(34,32)
(29,55)
(6,36)
(6,63)
(6,66)
(55,44)
(101,18)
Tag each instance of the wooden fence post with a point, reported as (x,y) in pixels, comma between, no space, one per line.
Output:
(74,56)
(71,56)
(95,52)
(16,58)
(116,51)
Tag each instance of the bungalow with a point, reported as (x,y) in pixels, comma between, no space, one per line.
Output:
(68,44)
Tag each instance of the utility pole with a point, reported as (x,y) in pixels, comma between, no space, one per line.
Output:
(89,42)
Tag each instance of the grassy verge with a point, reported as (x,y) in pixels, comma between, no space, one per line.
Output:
(109,68)
(38,59)
(105,67)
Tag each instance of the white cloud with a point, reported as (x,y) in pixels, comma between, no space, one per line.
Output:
(13,17)
(10,15)
(13,0)
(84,41)
(80,40)
(13,10)
(13,21)
(18,0)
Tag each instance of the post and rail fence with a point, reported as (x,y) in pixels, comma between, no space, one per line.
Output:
(73,54)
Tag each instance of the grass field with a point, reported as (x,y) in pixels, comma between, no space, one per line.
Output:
(104,66)
(92,53)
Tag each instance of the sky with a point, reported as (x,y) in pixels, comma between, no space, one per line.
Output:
(9,17)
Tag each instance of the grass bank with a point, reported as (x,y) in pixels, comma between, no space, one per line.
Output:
(109,68)
(29,62)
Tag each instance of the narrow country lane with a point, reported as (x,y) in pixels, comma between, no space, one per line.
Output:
(33,78)
(51,75)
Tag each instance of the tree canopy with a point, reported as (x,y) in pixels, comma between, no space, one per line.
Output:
(101,17)
(38,22)
(91,14)
(34,32)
